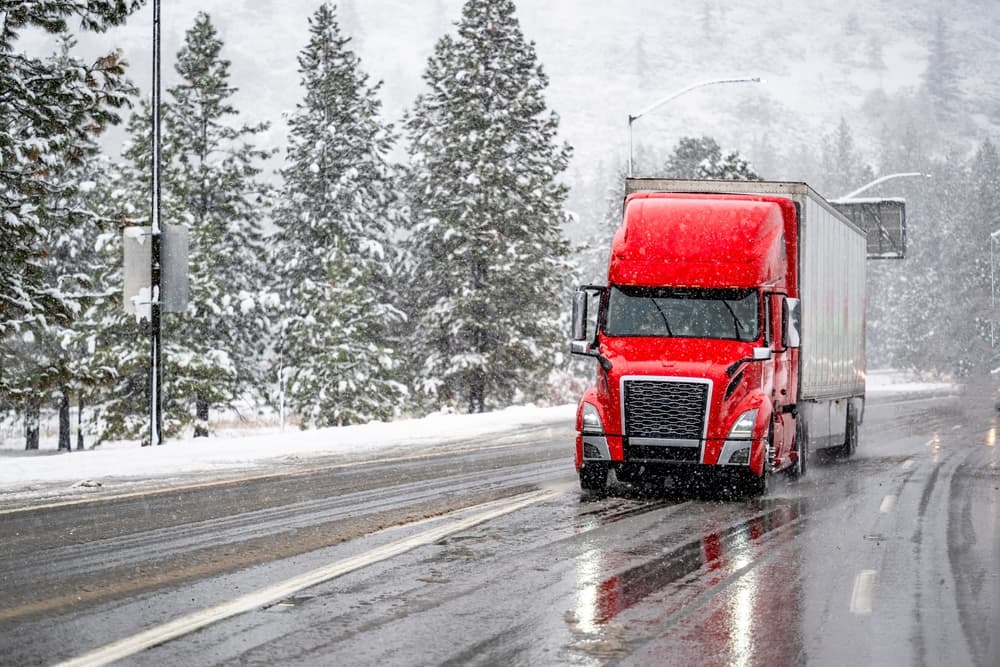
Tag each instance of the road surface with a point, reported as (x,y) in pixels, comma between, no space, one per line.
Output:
(493,556)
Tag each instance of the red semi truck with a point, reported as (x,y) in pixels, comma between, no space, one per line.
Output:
(730,335)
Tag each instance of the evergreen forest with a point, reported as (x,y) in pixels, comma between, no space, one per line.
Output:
(386,269)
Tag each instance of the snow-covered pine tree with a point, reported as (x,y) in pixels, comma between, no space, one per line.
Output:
(702,158)
(336,220)
(974,248)
(213,353)
(74,264)
(122,195)
(77,257)
(844,168)
(942,78)
(50,110)
(489,260)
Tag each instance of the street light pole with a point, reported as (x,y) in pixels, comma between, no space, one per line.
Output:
(156,359)
(634,117)
(883,179)
(993,291)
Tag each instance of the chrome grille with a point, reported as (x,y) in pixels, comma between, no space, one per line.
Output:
(665,409)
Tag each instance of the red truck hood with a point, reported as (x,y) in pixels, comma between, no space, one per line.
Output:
(678,357)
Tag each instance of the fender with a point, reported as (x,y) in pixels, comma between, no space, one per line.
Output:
(765,415)
(591,396)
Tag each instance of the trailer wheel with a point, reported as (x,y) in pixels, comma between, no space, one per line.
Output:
(798,469)
(594,477)
(850,436)
(851,439)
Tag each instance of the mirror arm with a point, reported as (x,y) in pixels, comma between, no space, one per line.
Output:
(583,349)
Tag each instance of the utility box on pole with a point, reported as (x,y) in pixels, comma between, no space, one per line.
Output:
(173,269)
(138,251)
(137,242)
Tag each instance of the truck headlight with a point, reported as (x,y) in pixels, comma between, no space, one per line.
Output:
(591,420)
(743,428)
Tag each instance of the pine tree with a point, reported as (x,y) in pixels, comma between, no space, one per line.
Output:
(941,78)
(489,260)
(843,166)
(985,182)
(214,352)
(50,111)
(978,285)
(122,342)
(702,158)
(335,228)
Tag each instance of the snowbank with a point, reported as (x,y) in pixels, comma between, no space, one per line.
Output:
(22,472)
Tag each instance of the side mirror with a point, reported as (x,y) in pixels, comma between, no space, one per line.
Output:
(580,344)
(579,315)
(792,322)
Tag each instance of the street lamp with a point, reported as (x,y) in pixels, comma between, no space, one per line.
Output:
(674,95)
(883,179)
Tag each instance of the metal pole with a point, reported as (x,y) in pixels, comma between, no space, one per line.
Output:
(156,361)
(993,294)
(674,95)
(883,179)
(630,119)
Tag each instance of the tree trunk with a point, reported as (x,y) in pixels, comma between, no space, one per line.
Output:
(201,418)
(32,412)
(477,395)
(79,422)
(64,428)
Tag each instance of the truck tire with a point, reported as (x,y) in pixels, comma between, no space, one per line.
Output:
(798,469)
(850,445)
(851,439)
(760,485)
(594,477)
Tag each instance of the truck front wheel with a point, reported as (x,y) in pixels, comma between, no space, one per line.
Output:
(798,469)
(760,485)
(594,476)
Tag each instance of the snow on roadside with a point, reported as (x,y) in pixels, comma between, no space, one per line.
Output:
(20,469)
(883,383)
(233,452)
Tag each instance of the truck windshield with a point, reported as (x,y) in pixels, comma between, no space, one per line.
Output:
(683,313)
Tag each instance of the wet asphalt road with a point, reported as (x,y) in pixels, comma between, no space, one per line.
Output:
(889,558)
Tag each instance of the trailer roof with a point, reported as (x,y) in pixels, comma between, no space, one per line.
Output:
(787,188)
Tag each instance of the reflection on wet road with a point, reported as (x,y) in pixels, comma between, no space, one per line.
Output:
(720,554)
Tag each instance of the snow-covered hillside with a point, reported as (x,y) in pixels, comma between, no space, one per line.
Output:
(819,61)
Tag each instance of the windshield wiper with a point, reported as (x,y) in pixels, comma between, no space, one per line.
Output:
(737,322)
(663,316)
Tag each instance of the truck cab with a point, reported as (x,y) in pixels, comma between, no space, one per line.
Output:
(696,336)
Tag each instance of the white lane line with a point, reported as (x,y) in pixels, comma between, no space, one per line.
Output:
(907,464)
(861,597)
(888,503)
(264,597)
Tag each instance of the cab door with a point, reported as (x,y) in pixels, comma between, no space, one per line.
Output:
(783,380)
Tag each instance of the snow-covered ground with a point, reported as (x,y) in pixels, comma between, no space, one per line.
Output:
(126,465)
